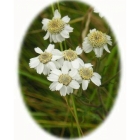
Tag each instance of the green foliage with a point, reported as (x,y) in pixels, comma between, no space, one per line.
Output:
(52,111)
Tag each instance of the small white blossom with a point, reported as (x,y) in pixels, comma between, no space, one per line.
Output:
(58,28)
(71,57)
(96,41)
(43,63)
(86,75)
(64,80)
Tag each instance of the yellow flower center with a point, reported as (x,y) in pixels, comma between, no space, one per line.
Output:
(86,73)
(97,39)
(65,79)
(56,26)
(45,57)
(69,55)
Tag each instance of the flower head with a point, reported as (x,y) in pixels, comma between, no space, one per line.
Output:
(43,63)
(71,57)
(86,74)
(58,28)
(63,80)
(96,41)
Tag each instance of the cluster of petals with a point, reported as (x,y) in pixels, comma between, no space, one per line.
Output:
(88,46)
(44,67)
(60,24)
(65,87)
(65,69)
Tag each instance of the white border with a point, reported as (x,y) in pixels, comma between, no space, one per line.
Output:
(114,127)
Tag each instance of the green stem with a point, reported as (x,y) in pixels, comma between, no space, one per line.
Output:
(58,6)
(100,98)
(61,47)
(65,45)
(106,82)
(76,117)
(52,8)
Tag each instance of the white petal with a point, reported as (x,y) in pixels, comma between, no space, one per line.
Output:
(81,62)
(69,90)
(97,75)
(56,57)
(40,68)
(60,61)
(56,52)
(66,19)
(93,30)
(78,78)
(68,64)
(101,51)
(85,84)
(59,86)
(68,28)
(96,80)
(88,65)
(46,36)
(59,38)
(54,38)
(52,77)
(78,50)
(53,86)
(57,14)
(97,52)
(51,65)
(38,50)
(65,69)
(106,48)
(50,48)
(57,64)
(86,40)
(64,34)
(108,37)
(56,72)
(87,48)
(74,84)
(45,22)
(73,73)
(109,42)
(63,91)
(46,70)
(34,62)
(75,63)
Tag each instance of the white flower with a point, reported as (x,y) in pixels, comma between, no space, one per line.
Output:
(96,41)
(96,11)
(63,80)
(43,63)
(71,57)
(57,29)
(86,74)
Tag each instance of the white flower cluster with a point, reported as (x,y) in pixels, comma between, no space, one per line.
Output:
(65,69)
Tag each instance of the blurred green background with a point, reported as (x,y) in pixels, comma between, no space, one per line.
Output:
(48,108)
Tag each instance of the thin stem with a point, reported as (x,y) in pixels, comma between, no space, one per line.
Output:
(106,82)
(52,8)
(65,45)
(76,117)
(73,115)
(91,105)
(100,98)
(58,6)
(97,64)
(61,47)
